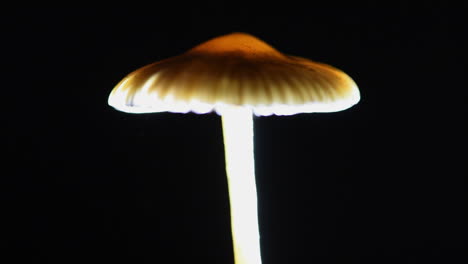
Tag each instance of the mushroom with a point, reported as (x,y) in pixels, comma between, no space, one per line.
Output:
(237,76)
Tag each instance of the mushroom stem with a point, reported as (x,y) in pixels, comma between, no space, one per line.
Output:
(240,169)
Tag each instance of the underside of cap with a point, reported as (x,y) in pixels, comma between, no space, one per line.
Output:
(235,70)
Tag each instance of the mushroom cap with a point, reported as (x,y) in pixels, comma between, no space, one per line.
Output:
(237,69)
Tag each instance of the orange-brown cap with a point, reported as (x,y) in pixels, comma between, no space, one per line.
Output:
(236,69)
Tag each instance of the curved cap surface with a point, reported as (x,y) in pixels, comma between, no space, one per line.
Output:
(237,69)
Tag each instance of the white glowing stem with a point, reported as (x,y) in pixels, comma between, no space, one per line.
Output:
(239,153)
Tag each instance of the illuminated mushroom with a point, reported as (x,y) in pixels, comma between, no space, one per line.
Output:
(237,76)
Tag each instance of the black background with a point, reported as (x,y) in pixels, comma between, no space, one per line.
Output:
(381,182)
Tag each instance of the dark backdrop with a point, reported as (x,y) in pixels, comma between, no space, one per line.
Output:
(381,182)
